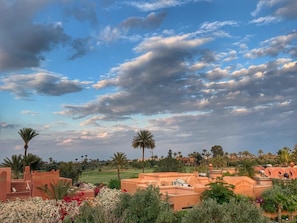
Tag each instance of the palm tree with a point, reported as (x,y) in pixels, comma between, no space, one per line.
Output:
(284,156)
(33,161)
(15,163)
(27,134)
(57,190)
(119,159)
(219,161)
(143,139)
(260,153)
(179,154)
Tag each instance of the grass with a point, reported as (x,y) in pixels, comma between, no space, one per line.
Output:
(106,174)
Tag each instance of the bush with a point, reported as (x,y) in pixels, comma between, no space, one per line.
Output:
(144,206)
(89,214)
(114,184)
(210,211)
(219,191)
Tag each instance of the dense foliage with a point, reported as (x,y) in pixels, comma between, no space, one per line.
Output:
(219,191)
(169,164)
(282,196)
(112,205)
(235,211)
(144,206)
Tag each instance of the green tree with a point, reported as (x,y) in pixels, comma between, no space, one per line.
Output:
(219,191)
(284,156)
(219,161)
(69,170)
(217,151)
(119,160)
(197,156)
(35,162)
(144,206)
(274,200)
(247,155)
(246,168)
(282,196)
(294,154)
(260,153)
(144,139)
(15,163)
(169,165)
(27,135)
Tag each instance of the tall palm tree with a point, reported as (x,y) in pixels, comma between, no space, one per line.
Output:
(119,160)
(143,139)
(27,134)
(15,163)
(260,153)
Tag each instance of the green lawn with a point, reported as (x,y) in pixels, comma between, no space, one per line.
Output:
(105,175)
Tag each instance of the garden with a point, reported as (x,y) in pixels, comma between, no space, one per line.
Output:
(113,205)
(219,204)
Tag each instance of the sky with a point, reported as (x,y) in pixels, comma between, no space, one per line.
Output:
(88,75)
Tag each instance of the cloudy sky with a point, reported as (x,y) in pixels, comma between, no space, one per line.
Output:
(89,74)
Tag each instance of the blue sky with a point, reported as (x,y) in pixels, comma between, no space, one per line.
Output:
(87,75)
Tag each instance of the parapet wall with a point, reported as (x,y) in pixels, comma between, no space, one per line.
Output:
(5,182)
(41,179)
(28,186)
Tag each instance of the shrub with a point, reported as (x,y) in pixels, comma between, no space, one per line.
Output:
(89,214)
(144,206)
(114,184)
(108,198)
(219,191)
(36,210)
(210,211)
(58,190)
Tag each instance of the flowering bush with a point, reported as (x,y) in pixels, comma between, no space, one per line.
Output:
(69,206)
(259,200)
(28,211)
(37,210)
(108,198)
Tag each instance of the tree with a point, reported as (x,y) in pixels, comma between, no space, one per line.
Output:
(219,191)
(179,154)
(260,153)
(144,139)
(247,168)
(119,160)
(27,135)
(35,162)
(282,196)
(219,161)
(144,206)
(197,156)
(284,156)
(217,151)
(169,164)
(67,169)
(274,200)
(15,163)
